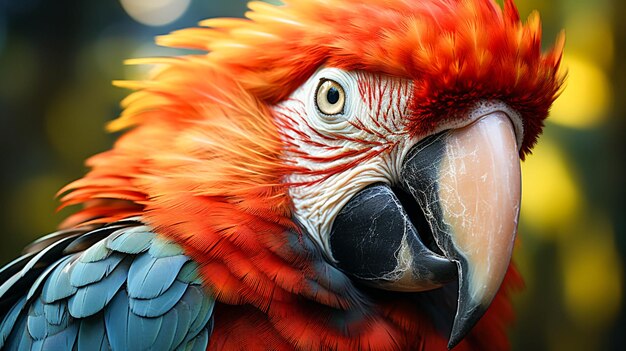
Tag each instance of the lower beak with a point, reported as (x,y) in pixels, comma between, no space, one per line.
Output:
(467,182)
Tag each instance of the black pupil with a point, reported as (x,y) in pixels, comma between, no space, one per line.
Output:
(333,95)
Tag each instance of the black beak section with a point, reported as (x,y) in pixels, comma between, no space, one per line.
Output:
(375,241)
(466,184)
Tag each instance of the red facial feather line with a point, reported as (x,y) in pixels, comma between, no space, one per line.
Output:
(306,137)
(373,93)
(375,124)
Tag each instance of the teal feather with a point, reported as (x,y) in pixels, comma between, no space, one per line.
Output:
(183,311)
(23,341)
(131,241)
(149,277)
(92,335)
(159,305)
(198,343)
(90,299)
(84,273)
(164,248)
(11,268)
(36,322)
(97,252)
(35,287)
(165,337)
(116,321)
(148,328)
(193,299)
(205,312)
(58,286)
(189,273)
(31,270)
(88,239)
(63,340)
(56,312)
(9,321)
(38,326)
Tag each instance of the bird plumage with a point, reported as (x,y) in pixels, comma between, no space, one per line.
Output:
(202,165)
(129,290)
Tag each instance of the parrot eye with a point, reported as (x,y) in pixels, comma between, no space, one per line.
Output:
(330,97)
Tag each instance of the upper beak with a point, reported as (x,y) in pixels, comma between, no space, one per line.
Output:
(467,181)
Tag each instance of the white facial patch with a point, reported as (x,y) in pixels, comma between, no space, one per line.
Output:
(339,155)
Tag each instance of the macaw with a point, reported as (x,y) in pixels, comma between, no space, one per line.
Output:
(324,175)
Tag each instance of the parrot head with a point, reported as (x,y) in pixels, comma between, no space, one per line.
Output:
(388,135)
(400,209)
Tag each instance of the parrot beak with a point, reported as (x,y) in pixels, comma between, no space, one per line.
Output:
(452,216)
(467,182)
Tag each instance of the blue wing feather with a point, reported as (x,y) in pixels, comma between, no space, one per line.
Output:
(91,334)
(23,341)
(63,340)
(197,343)
(183,322)
(148,328)
(31,270)
(150,276)
(90,299)
(58,286)
(164,248)
(159,305)
(89,238)
(97,252)
(193,299)
(116,321)
(56,312)
(189,273)
(84,273)
(131,241)
(34,289)
(129,290)
(204,314)
(9,321)
(36,322)
(46,254)
(200,342)
(167,335)
(15,266)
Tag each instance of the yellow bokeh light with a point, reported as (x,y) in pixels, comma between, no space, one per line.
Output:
(592,275)
(155,12)
(550,195)
(587,97)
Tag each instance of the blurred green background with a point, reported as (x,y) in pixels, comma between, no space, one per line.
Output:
(57,59)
